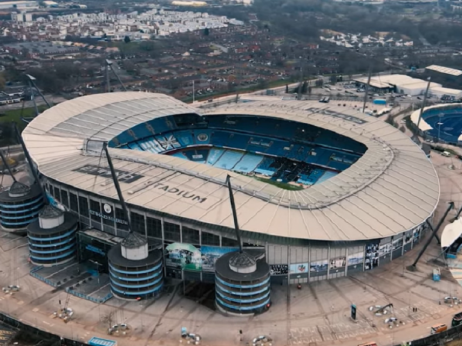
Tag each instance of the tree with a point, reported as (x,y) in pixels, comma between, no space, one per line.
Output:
(206,32)
(319,83)
(127,39)
(287,88)
(333,79)
(2,81)
(304,87)
(128,66)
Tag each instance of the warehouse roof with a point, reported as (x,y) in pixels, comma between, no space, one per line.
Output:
(445,70)
(392,188)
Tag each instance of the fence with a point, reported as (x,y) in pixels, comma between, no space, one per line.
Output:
(92,299)
(454,333)
(47,338)
(34,273)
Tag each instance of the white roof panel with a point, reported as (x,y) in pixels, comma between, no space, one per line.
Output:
(392,188)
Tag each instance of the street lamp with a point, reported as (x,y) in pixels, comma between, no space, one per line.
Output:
(439,130)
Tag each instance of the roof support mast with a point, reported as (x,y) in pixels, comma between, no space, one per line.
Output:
(5,163)
(434,231)
(117,186)
(416,132)
(108,82)
(233,208)
(366,91)
(31,165)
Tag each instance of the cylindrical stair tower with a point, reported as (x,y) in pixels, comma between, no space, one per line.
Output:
(242,284)
(135,272)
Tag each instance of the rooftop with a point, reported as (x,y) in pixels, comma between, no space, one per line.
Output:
(446,70)
(392,188)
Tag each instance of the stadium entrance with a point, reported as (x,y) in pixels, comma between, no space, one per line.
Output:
(93,248)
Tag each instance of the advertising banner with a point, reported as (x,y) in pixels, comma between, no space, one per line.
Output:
(319,266)
(338,262)
(210,254)
(397,243)
(299,268)
(356,258)
(54,202)
(385,249)
(279,269)
(183,256)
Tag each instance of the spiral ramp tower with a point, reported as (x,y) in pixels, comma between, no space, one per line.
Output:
(19,206)
(242,284)
(135,273)
(52,237)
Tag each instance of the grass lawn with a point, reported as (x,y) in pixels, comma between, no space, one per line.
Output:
(14,115)
(9,116)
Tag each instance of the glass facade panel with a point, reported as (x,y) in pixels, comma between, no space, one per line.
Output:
(154,227)
(64,199)
(171,231)
(120,216)
(73,202)
(210,239)
(190,236)
(83,206)
(95,208)
(138,223)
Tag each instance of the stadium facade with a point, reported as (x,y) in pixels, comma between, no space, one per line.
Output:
(347,192)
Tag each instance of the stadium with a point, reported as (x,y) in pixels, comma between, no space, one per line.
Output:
(321,191)
(441,122)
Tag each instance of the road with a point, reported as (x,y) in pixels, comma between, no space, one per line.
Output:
(52,100)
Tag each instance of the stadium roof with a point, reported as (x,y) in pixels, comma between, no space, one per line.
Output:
(392,188)
(445,70)
(423,125)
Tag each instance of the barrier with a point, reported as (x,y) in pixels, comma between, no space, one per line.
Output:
(86,297)
(453,333)
(49,338)
(34,273)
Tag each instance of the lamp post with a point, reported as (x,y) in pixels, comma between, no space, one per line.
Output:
(416,133)
(439,130)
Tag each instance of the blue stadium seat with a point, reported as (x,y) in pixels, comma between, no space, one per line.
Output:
(248,163)
(161,125)
(214,156)
(197,155)
(220,138)
(339,165)
(265,167)
(229,159)
(311,178)
(150,144)
(134,146)
(185,138)
(180,155)
(141,131)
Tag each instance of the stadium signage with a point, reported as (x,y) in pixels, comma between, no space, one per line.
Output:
(336,115)
(179,192)
(106,217)
(122,176)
